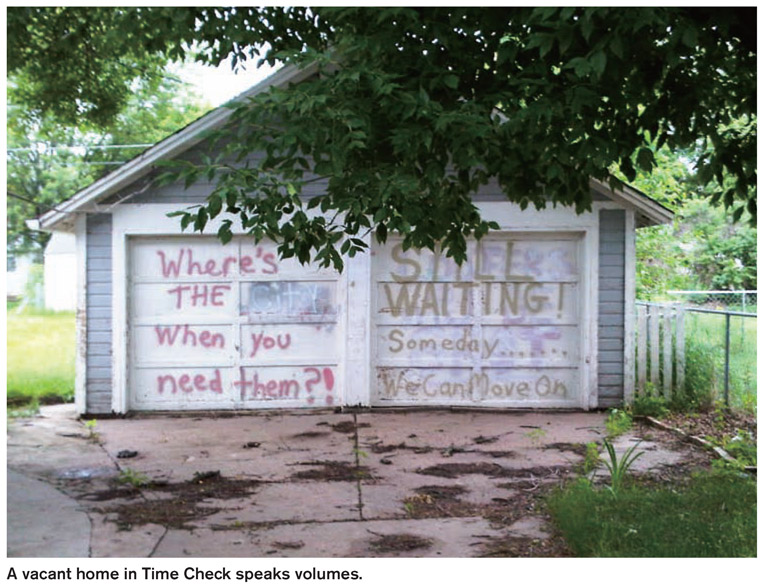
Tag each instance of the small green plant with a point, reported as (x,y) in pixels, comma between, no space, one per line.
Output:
(647,404)
(591,458)
(536,436)
(617,423)
(619,467)
(128,476)
(90,426)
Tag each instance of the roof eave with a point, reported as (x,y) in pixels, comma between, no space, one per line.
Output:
(171,146)
(650,211)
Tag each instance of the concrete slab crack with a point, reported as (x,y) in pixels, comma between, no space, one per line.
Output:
(159,541)
(357,452)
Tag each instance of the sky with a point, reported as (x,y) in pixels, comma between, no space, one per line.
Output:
(217,85)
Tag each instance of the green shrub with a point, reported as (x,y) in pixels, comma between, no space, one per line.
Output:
(742,447)
(700,378)
(649,405)
(618,422)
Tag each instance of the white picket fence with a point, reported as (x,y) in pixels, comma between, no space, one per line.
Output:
(660,341)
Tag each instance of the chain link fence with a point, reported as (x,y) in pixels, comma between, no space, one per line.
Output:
(720,334)
(736,301)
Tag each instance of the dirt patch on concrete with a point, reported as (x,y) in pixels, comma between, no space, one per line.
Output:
(348,427)
(525,547)
(442,492)
(496,453)
(312,434)
(485,439)
(332,470)
(574,447)
(381,448)
(426,506)
(111,494)
(399,542)
(454,470)
(183,503)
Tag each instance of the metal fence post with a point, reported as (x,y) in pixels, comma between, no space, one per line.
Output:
(727,362)
(742,324)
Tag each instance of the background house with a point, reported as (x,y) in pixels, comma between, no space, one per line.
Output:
(18,269)
(60,272)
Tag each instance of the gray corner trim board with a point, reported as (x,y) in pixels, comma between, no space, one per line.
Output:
(98,296)
(610,325)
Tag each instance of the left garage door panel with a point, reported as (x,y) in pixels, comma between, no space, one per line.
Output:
(214,326)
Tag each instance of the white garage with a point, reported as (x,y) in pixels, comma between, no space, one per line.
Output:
(538,317)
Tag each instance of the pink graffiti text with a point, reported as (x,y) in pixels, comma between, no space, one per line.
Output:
(254,387)
(199,294)
(183,263)
(170,334)
(268,343)
(189,383)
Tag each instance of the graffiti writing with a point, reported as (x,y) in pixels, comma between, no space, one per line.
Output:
(489,260)
(170,334)
(477,387)
(462,344)
(269,342)
(253,386)
(182,263)
(200,294)
(288,298)
(186,383)
(454,298)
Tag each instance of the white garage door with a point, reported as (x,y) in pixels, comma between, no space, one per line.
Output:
(215,326)
(502,330)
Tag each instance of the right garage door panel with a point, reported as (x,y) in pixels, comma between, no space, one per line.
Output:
(501,330)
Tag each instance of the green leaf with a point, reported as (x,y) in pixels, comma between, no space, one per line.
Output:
(224,233)
(451,81)
(690,37)
(598,62)
(214,204)
(645,159)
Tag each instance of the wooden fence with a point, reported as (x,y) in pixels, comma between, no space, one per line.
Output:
(660,348)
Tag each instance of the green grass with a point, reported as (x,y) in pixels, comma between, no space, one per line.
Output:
(713,516)
(705,339)
(41,349)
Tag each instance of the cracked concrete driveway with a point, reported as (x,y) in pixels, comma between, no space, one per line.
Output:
(313,484)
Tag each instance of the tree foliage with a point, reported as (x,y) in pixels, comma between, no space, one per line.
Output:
(704,248)
(414,109)
(48,161)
